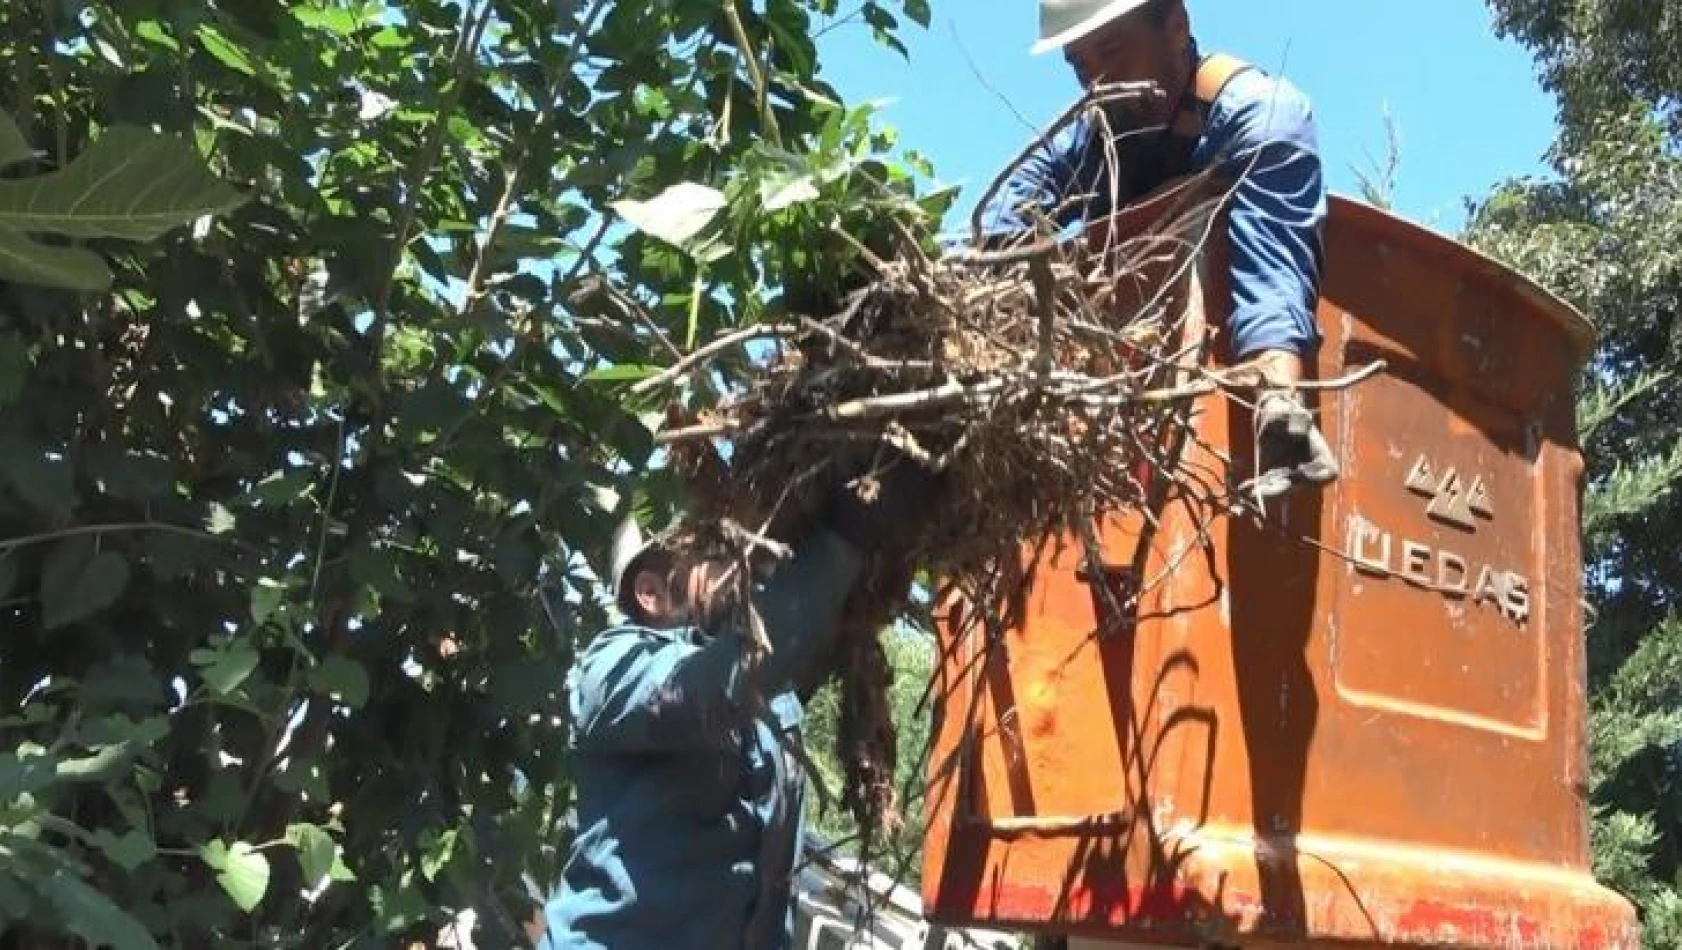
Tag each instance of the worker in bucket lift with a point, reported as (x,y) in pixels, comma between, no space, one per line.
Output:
(1257,133)
(689,801)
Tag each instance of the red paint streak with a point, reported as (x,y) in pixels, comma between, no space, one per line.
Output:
(1171,912)
(1469,925)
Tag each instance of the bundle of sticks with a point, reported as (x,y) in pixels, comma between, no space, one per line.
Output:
(1011,372)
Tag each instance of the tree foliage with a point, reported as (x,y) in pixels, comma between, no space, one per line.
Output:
(301,504)
(1606,233)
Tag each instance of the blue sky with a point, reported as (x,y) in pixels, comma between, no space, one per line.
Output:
(1467,105)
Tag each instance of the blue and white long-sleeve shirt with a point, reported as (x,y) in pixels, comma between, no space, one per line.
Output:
(690,809)
(1259,135)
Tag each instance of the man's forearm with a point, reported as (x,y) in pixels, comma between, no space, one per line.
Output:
(1277,369)
(801,604)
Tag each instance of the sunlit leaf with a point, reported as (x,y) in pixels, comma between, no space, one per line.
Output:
(226,51)
(316,852)
(677,215)
(221,520)
(438,854)
(152,31)
(242,871)
(332,19)
(620,373)
(780,193)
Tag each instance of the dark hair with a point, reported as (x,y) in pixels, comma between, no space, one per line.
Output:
(657,561)
(1156,12)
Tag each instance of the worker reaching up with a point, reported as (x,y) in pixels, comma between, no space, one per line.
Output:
(1256,132)
(689,801)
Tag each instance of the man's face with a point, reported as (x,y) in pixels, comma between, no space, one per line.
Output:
(1134,49)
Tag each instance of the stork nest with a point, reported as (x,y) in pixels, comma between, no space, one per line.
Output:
(1042,381)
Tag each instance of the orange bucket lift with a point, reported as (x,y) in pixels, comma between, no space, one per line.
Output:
(1359,725)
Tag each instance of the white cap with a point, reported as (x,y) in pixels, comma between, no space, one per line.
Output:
(628,543)
(1064,21)
(629,546)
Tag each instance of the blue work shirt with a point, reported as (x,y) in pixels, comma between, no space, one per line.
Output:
(689,806)
(1259,135)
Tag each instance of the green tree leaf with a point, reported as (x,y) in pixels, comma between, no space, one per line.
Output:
(23,776)
(676,215)
(40,478)
(154,32)
(227,52)
(64,268)
(119,680)
(76,583)
(316,852)
(128,851)
(277,489)
(28,261)
(131,183)
(438,854)
(620,373)
(14,896)
(225,669)
(336,20)
(340,872)
(268,597)
(90,914)
(221,520)
(786,192)
(242,871)
(378,570)
(343,679)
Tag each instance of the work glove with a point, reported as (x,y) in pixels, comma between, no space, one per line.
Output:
(904,492)
(1290,450)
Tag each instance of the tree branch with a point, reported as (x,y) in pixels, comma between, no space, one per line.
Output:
(761,88)
(701,355)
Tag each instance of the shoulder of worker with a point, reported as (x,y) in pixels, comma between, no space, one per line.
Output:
(1256,108)
(1071,139)
(623,649)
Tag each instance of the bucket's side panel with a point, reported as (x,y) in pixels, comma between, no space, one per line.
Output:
(1448,628)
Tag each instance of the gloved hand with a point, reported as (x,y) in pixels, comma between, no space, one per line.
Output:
(904,490)
(1290,449)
